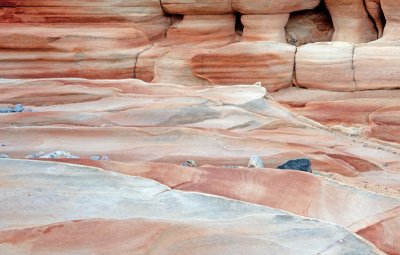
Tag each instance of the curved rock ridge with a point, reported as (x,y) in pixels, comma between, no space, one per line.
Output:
(127,109)
(145,236)
(269,187)
(142,206)
(371,113)
(130,121)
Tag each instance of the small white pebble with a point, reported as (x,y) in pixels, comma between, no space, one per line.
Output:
(256,162)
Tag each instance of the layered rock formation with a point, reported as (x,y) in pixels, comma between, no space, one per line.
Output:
(159,164)
(96,39)
(144,218)
(133,122)
(138,41)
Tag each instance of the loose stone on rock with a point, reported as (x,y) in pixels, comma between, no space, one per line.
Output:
(189,163)
(52,155)
(96,158)
(255,162)
(36,155)
(302,164)
(13,109)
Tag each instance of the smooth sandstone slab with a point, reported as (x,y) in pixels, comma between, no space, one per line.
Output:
(247,63)
(270,187)
(369,113)
(146,16)
(332,112)
(377,65)
(144,236)
(48,92)
(296,97)
(327,66)
(96,39)
(83,195)
(105,106)
(29,51)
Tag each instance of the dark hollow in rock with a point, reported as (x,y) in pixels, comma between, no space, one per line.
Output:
(302,164)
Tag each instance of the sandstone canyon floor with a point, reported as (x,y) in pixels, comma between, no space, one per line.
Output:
(126,127)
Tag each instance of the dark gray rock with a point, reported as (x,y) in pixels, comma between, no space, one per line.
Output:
(189,163)
(302,164)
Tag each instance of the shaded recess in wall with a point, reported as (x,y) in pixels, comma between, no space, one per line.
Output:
(310,26)
(239,25)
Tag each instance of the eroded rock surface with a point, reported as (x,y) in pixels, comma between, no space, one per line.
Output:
(160,166)
(151,209)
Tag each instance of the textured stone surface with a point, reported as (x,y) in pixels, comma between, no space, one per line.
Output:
(247,63)
(131,121)
(151,209)
(96,39)
(156,164)
(391,9)
(385,57)
(192,7)
(297,164)
(351,21)
(272,7)
(264,27)
(370,113)
(29,51)
(309,26)
(169,61)
(327,66)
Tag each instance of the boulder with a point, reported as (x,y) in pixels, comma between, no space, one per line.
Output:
(297,164)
